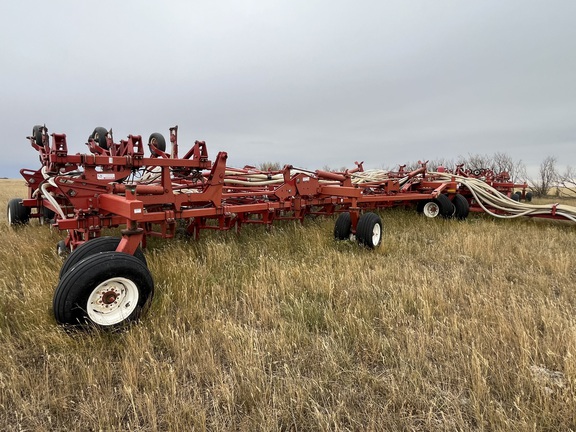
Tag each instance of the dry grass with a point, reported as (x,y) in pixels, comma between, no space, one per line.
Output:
(448,326)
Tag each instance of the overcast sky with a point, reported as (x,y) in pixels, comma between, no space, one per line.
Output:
(311,83)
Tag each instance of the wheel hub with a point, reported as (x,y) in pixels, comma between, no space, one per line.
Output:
(109,297)
(431,209)
(112,301)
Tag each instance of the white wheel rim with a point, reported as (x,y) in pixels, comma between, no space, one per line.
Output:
(431,209)
(376,234)
(112,301)
(9,216)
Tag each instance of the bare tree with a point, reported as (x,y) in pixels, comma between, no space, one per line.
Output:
(330,169)
(433,164)
(519,173)
(478,162)
(269,166)
(503,162)
(547,176)
(567,182)
(408,166)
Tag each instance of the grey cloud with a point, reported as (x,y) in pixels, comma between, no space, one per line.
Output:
(308,83)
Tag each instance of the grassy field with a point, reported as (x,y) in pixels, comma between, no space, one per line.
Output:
(447,326)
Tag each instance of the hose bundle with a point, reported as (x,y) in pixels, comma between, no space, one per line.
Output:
(487,197)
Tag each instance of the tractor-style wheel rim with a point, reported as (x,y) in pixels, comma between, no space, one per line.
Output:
(112,301)
(431,209)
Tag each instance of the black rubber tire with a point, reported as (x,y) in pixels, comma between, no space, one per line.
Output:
(369,230)
(420,206)
(16,213)
(37,134)
(461,207)
(158,140)
(515,196)
(343,226)
(529,196)
(99,135)
(94,246)
(446,206)
(48,214)
(71,297)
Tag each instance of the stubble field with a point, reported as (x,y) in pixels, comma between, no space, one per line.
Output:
(447,326)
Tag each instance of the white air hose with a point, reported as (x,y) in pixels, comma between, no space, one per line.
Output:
(375,176)
(252,183)
(47,195)
(150,175)
(486,196)
(252,179)
(261,179)
(370,176)
(49,180)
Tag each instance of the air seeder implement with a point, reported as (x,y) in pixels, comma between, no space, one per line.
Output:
(148,190)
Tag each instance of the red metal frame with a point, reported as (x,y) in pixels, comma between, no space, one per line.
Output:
(100,190)
(116,185)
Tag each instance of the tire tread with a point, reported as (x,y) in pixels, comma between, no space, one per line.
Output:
(92,247)
(343,226)
(365,228)
(77,284)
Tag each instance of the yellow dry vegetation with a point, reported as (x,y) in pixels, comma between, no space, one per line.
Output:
(447,326)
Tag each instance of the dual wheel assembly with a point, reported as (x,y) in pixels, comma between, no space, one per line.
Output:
(18,214)
(368,230)
(102,288)
(457,208)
